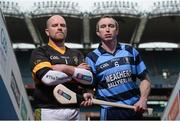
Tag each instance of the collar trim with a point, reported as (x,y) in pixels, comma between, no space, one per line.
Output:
(61,50)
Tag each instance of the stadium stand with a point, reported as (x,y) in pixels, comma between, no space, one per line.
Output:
(168,26)
(16,30)
(159,61)
(23,62)
(138,25)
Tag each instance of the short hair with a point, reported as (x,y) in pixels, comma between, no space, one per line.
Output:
(106,16)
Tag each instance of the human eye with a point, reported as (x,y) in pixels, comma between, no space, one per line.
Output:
(63,25)
(54,25)
(102,26)
(112,25)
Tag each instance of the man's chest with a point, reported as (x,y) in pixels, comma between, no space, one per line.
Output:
(67,58)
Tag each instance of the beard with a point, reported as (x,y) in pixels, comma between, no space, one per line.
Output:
(57,39)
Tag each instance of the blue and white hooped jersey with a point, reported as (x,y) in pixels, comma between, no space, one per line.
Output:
(115,74)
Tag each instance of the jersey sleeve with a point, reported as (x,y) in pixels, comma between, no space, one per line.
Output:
(91,62)
(39,64)
(81,57)
(141,69)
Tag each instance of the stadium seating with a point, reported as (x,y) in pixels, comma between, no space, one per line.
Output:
(24,65)
(159,62)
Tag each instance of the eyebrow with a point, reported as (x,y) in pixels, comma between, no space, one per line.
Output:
(61,24)
(107,24)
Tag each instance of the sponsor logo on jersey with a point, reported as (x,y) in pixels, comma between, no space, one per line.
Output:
(53,57)
(118,78)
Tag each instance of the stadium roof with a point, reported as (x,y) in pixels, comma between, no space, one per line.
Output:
(84,5)
(155,21)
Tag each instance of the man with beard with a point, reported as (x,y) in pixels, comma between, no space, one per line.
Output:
(55,64)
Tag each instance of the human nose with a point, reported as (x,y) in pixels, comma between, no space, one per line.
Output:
(59,27)
(107,29)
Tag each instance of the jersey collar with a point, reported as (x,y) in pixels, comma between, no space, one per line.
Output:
(54,46)
(102,50)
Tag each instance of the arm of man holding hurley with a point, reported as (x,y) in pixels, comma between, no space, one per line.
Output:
(82,69)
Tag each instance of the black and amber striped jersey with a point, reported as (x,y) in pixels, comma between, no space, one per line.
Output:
(42,60)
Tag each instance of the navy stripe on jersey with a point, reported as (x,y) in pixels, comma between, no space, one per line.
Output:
(113,63)
(138,59)
(113,88)
(93,56)
(142,75)
(122,96)
(129,49)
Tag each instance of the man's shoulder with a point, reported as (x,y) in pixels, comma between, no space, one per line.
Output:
(95,51)
(93,55)
(40,49)
(125,45)
(75,51)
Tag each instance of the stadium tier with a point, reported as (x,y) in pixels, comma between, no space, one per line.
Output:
(164,28)
(18,30)
(24,65)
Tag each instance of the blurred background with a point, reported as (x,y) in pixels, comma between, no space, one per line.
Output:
(153,27)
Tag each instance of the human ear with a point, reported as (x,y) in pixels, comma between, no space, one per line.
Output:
(47,32)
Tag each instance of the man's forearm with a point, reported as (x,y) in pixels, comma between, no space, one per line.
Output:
(145,88)
(69,70)
(53,77)
(81,75)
